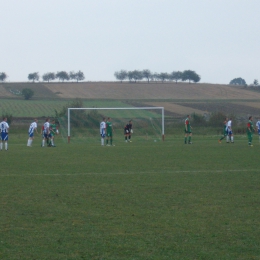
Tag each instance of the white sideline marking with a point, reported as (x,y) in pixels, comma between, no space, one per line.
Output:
(110,173)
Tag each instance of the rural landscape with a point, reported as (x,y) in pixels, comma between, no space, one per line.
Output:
(149,199)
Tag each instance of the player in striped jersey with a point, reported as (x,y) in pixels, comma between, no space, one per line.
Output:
(230,132)
(103,131)
(32,128)
(4,129)
(258,127)
(46,131)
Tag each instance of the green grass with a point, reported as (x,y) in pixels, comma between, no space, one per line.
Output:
(140,200)
(43,107)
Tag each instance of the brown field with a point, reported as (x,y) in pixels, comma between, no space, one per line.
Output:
(125,90)
(4,92)
(40,91)
(116,90)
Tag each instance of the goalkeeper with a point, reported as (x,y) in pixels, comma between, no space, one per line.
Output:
(128,130)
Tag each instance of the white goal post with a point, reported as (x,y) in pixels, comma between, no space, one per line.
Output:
(115,108)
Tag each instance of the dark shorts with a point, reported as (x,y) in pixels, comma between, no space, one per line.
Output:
(4,136)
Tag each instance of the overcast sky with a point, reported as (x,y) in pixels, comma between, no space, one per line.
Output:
(219,39)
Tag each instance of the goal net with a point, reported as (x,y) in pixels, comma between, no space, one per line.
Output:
(83,124)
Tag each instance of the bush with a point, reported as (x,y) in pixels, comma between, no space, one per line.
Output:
(216,119)
(27,93)
(198,120)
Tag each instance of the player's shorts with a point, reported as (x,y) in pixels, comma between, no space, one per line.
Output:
(4,136)
(187,131)
(109,134)
(249,134)
(46,135)
(127,132)
(30,134)
(229,132)
(103,135)
(259,131)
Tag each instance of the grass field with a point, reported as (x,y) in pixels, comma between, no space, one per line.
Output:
(140,200)
(45,107)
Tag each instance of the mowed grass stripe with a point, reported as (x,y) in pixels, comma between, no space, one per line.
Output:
(131,173)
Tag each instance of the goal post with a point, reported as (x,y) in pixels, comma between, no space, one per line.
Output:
(117,108)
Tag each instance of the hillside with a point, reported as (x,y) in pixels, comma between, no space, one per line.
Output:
(178,99)
(125,90)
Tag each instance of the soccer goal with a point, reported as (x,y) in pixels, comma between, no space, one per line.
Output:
(148,122)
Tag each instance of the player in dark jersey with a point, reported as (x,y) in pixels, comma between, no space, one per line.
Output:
(109,132)
(187,130)
(250,130)
(225,133)
(128,130)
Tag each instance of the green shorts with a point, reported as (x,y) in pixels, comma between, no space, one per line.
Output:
(109,134)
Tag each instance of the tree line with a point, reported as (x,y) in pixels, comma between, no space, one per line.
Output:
(49,76)
(138,75)
(61,76)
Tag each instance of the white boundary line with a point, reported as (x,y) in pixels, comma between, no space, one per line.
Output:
(125,173)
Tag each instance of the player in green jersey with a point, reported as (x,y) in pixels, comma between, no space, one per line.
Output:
(250,129)
(53,131)
(109,131)
(187,130)
(224,131)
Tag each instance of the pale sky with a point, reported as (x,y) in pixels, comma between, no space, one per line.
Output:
(219,39)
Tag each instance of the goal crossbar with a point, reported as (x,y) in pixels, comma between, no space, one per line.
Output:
(115,108)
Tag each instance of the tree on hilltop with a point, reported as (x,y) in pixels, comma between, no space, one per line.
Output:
(62,75)
(135,75)
(190,75)
(48,76)
(147,74)
(121,75)
(237,81)
(163,76)
(176,76)
(3,76)
(34,76)
(256,82)
(78,76)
